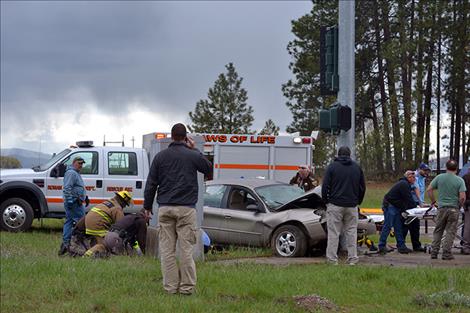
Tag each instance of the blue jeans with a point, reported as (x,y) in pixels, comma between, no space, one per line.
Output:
(392,219)
(73,213)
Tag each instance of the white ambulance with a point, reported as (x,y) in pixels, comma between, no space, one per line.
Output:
(249,156)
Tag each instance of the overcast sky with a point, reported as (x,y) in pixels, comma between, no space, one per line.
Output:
(80,70)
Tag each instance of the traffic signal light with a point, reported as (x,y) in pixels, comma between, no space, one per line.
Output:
(329,79)
(337,118)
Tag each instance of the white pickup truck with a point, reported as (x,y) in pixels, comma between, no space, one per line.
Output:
(26,194)
(36,193)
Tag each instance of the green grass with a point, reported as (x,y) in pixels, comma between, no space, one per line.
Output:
(374,195)
(34,279)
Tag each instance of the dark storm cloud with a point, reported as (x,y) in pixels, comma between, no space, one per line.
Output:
(164,55)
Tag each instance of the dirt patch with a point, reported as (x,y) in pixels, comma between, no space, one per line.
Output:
(314,303)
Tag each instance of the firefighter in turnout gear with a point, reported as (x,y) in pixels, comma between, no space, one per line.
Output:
(126,237)
(100,218)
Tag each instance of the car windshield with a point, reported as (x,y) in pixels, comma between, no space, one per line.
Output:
(276,195)
(51,161)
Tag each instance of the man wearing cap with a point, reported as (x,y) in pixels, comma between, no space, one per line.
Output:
(74,195)
(451,197)
(174,173)
(421,174)
(342,190)
(304,179)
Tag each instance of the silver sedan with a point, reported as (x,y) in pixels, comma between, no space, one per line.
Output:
(265,213)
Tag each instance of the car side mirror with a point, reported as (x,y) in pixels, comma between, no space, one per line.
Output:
(253,207)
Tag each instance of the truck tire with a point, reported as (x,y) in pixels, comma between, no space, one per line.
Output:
(289,241)
(16,215)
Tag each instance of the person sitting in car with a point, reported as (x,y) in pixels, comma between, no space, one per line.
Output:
(304,179)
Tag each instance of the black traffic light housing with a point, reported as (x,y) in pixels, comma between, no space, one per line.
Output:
(329,79)
(335,119)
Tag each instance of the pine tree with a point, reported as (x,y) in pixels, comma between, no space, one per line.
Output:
(270,128)
(226,110)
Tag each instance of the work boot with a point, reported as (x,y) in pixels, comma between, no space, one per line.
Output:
(383,251)
(404,250)
(447,257)
(63,249)
(419,249)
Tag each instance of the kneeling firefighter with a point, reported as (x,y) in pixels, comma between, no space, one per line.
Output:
(100,218)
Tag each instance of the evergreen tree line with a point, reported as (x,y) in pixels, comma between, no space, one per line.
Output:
(412,71)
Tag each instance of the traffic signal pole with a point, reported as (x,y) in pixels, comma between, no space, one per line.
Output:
(346,94)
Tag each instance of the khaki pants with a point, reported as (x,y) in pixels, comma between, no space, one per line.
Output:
(177,224)
(341,220)
(446,220)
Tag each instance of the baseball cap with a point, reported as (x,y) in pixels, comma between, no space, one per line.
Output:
(424,166)
(78,159)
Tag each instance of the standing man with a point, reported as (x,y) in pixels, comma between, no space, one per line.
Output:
(173,176)
(466,226)
(343,189)
(304,179)
(397,200)
(74,194)
(450,198)
(421,174)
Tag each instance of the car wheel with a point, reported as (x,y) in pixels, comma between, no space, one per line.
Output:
(289,241)
(16,215)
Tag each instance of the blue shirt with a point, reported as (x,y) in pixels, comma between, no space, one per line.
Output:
(421,184)
(74,187)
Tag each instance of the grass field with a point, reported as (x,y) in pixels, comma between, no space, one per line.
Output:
(35,279)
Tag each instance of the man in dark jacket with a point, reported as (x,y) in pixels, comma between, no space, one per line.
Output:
(397,201)
(125,237)
(466,227)
(342,190)
(174,173)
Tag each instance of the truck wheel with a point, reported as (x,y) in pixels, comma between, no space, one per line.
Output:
(16,215)
(289,241)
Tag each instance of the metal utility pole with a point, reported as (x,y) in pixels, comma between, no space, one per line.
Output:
(346,94)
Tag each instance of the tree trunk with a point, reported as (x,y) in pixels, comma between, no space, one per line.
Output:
(419,91)
(390,68)
(428,95)
(438,95)
(406,56)
(383,95)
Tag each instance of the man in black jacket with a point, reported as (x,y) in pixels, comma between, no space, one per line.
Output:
(343,189)
(397,201)
(174,173)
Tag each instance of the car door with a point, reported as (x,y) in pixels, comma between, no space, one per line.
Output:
(243,218)
(214,199)
(92,175)
(123,172)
